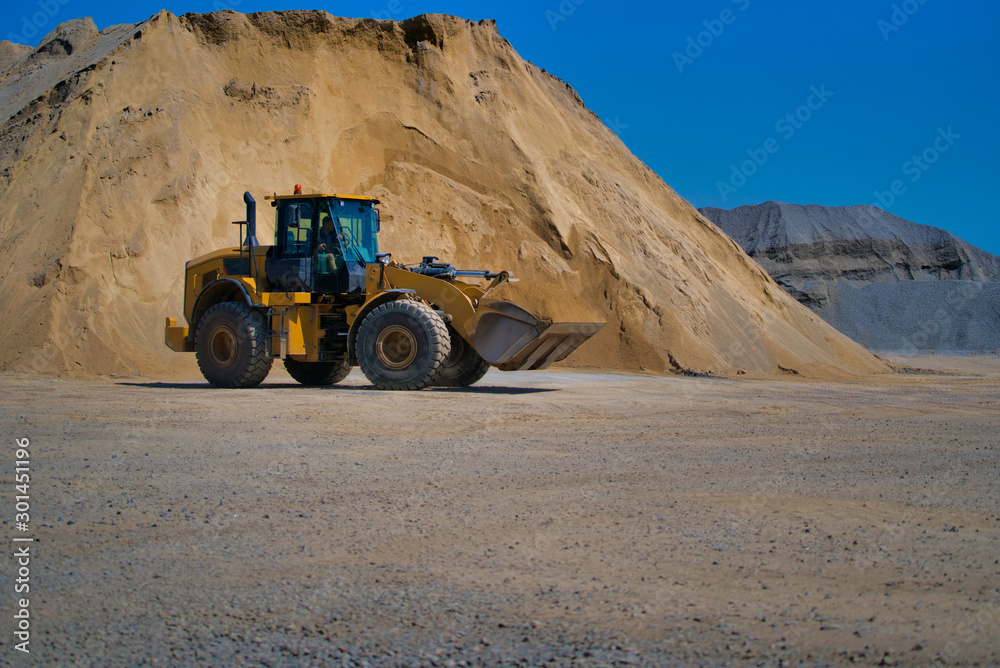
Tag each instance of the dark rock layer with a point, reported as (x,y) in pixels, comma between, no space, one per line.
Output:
(888,283)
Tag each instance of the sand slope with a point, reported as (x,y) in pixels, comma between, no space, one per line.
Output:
(125,153)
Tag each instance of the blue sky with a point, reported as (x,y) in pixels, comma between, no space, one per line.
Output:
(742,101)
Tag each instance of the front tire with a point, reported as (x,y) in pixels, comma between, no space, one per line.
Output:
(401,345)
(317,374)
(463,366)
(231,346)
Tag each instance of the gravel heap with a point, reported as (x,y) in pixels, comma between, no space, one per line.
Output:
(889,284)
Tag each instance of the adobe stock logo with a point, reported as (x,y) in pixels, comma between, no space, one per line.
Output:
(392,9)
(615,125)
(565,9)
(696,44)
(900,16)
(788,126)
(917,166)
(30,26)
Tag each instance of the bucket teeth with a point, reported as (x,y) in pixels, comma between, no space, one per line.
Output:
(511,338)
(553,344)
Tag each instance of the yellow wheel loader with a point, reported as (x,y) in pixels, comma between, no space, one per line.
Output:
(324,299)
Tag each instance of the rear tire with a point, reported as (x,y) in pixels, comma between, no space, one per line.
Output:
(463,366)
(401,345)
(231,346)
(317,374)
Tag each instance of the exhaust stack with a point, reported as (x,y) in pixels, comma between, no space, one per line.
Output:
(251,219)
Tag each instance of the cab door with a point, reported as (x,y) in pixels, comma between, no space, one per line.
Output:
(290,267)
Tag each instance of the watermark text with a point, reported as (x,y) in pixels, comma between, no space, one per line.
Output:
(697,44)
(787,126)
(899,17)
(22,547)
(916,167)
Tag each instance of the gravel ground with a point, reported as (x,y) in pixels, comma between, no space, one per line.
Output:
(564,518)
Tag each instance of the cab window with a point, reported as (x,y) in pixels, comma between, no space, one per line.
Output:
(293,230)
(357,224)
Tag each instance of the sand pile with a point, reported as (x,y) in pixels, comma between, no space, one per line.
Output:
(125,153)
(888,283)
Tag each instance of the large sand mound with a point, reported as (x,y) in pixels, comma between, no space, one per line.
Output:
(888,283)
(125,153)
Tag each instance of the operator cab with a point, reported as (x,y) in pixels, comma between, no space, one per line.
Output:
(322,242)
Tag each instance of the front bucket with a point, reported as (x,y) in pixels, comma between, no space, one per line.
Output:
(512,339)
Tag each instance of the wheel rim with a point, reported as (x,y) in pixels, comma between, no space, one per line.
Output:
(396,347)
(222,346)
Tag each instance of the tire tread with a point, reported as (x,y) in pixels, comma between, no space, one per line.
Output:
(467,370)
(246,319)
(432,322)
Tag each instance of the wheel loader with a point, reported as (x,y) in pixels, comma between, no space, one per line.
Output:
(324,298)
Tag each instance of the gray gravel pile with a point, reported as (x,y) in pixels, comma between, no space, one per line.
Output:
(888,283)
(28,74)
(912,317)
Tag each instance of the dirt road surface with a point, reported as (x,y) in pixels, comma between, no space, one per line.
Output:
(573,518)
